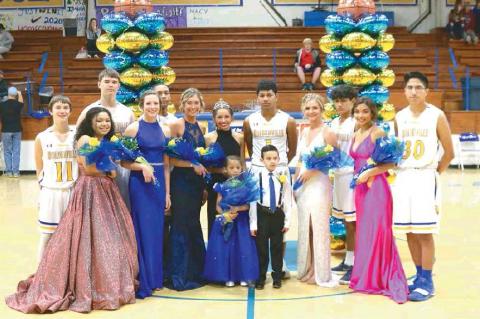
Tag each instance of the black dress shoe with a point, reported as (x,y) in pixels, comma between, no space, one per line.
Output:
(277,284)
(260,285)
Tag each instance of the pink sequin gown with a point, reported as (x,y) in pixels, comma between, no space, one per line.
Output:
(377,268)
(91,260)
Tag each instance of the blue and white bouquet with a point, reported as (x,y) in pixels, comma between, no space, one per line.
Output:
(211,156)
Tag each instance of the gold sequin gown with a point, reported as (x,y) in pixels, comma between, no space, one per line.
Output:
(91,260)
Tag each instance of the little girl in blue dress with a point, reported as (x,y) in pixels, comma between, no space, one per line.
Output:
(231,252)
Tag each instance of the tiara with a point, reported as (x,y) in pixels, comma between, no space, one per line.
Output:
(221,104)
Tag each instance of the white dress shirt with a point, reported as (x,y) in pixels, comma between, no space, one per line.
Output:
(287,197)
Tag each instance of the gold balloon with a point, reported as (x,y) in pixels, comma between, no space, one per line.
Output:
(328,42)
(385,42)
(329,77)
(171,109)
(358,42)
(164,75)
(136,77)
(137,111)
(105,43)
(336,244)
(358,76)
(387,112)
(162,41)
(132,41)
(329,112)
(386,77)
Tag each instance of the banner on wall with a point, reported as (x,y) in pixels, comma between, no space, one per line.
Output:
(452,2)
(17,4)
(334,2)
(45,18)
(175,16)
(109,3)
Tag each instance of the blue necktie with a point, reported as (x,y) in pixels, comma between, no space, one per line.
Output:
(273,202)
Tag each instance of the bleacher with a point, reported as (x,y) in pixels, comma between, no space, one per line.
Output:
(248,54)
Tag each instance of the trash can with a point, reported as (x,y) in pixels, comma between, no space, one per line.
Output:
(45,95)
(297,22)
(471,101)
(70,27)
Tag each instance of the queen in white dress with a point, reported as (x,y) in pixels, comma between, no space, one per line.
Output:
(314,200)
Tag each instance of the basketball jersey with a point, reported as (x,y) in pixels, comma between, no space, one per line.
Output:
(344,132)
(60,169)
(420,137)
(272,132)
(122,115)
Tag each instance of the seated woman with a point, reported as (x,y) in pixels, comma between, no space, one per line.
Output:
(6,40)
(456,21)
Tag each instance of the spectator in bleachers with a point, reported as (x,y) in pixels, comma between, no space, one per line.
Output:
(3,87)
(307,60)
(476,17)
(457,21)
(470,35)
(93,32)
(11,128)
(6,40)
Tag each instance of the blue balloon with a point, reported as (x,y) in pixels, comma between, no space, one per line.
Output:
(374,60)
(373,24)
(376,92)
(117,60)
(340,60)
(150,23)
(115,23)
(337,228)
(126,95)
(339,25)
(329,92)
(153,58)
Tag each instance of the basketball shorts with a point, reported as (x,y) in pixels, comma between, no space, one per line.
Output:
(52,203)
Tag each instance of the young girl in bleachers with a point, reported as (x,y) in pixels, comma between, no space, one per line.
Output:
(231,252)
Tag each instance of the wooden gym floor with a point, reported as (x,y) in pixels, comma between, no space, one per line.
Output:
(456,272)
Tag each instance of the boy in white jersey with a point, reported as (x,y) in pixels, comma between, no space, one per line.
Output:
(56,167)
(109,83)
(270,126)
(421,126)
(343,196)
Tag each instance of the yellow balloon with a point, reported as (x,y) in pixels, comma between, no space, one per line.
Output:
(164,75)
(329,111)
(387,112)
(358,42)
(162,41)
(105,43)
(328,78)
(137,111)
(358,77)
(136,77)
(385,41)
(386,77)
(328,42)
(132,41)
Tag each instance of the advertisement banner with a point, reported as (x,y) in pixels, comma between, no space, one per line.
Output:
(17,4)
(175,16)
(334,2)
(109,3)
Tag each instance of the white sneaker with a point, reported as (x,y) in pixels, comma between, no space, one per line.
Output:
(243,283)
(230,284)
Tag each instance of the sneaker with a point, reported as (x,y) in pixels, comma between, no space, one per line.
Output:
(243,283)
(305,87)
(345,280)
(230,284)
(277,284)
(7,174)
(16,175)
(341,267)
(424,291)
(311,86)
(413,284)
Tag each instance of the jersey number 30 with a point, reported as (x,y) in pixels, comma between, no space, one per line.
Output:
(417,150)
(60,177)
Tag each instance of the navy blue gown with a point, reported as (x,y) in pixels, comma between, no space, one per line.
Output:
(187,248)
(234,259)
(148,209)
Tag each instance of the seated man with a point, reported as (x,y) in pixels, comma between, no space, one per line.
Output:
(6,40)
(307,60)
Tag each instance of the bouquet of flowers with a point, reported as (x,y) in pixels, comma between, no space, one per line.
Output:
(388,149)
(104,153)
(236,191)
(181,149)
(212,156)
(324,158)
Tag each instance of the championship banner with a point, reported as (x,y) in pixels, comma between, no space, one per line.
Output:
(31,4)
(109,3)
(334,2)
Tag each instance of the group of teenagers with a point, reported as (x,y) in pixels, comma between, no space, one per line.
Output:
(108,238)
